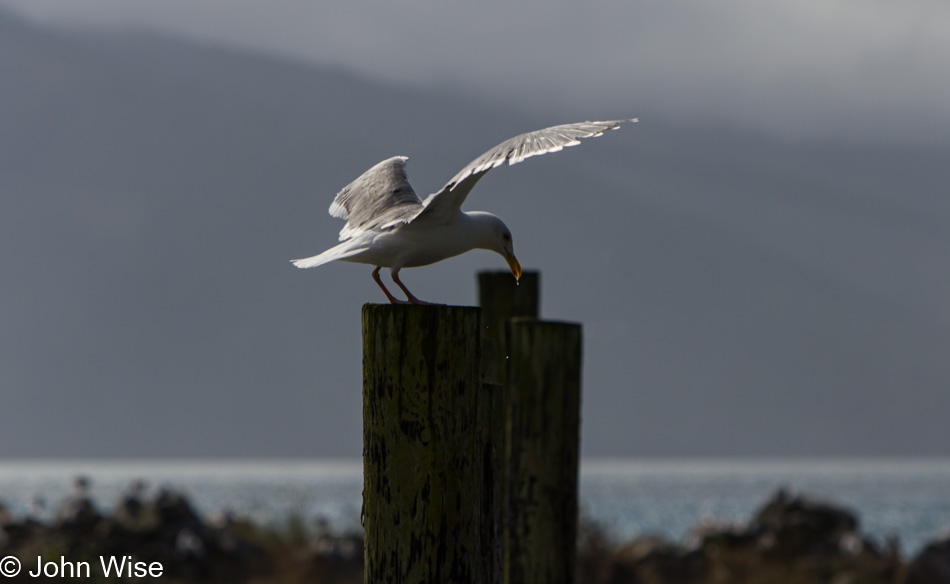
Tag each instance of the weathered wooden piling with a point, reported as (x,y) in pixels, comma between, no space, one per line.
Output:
(543,385)
(494,419)
(423,446)
(502,297)
(539,366)
(471,436)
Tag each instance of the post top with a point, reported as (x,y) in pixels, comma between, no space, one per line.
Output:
(419,307)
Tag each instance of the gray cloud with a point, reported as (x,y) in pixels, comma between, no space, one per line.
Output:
(741,294)
(803,69)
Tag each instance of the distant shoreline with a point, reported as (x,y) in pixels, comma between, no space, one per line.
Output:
(627,497)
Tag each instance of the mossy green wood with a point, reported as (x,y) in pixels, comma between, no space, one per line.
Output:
(502,297)
(544,381)
(423,451)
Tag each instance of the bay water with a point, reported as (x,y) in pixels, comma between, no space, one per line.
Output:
(907,499)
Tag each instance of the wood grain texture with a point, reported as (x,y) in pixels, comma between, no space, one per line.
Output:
(501,298)
(544,381)
(494,424)
(423,446)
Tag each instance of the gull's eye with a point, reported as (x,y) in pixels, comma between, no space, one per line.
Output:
(506,237)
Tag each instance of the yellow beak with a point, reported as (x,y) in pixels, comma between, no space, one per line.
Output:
(514,266)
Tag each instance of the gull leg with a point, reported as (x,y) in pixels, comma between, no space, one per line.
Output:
(392,299)
(412,299)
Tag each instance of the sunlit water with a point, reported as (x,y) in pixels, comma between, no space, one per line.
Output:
(906,499)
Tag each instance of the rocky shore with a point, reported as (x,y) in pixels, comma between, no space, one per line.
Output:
(165,529)
(791,540)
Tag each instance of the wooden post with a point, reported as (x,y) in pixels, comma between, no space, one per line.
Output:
(494,404)
(501,298)
(423,450)
(544,380)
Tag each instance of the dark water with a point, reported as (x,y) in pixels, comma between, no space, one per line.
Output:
(909,499)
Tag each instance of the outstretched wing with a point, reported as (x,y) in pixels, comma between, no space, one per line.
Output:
(379,199)
(512,151)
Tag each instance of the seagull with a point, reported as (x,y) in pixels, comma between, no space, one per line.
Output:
(387,225)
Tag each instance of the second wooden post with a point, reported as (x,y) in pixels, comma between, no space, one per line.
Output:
(544,382)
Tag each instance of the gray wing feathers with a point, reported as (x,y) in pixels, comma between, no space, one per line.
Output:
(379,199)
(515,150)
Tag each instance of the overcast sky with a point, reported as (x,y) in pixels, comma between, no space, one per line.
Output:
(848,68)
(767,248)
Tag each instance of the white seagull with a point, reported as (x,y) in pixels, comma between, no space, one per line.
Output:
(389,226)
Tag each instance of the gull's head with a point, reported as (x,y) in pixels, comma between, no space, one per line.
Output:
(494,235)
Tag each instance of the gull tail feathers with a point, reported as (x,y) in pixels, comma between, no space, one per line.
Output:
(338,252)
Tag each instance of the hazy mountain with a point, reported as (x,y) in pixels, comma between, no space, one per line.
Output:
(740,295)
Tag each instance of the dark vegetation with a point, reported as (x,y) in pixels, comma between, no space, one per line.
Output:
(790,540)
